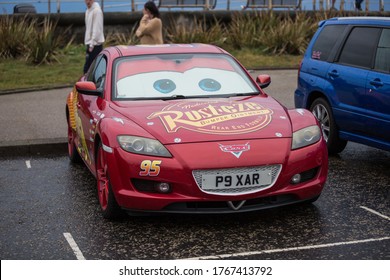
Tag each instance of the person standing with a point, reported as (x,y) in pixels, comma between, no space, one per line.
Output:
(333,7)
(150,27)
(94,36)
(358,4)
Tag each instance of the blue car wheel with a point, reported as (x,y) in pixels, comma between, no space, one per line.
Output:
(323,112)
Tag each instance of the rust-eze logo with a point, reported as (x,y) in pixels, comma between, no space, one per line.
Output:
(214,117)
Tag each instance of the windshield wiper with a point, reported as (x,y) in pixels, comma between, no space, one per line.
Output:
(175,96)
(246,93)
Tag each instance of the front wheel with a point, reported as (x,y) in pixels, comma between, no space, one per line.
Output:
(109,206)
(323,112)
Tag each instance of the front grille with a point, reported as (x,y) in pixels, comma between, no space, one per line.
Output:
(216,207)
(273,169)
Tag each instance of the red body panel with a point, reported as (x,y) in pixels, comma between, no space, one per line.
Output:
(209,120)
(242,132)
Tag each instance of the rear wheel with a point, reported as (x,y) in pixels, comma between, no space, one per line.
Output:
(109,206)
(322,111)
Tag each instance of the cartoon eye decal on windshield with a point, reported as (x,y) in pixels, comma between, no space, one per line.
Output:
(164,85)
(209,85)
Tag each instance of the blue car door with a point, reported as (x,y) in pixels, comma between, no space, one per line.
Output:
(378,91)
(348,77)
(350,99)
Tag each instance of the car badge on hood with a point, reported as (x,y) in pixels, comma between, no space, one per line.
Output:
(236,149)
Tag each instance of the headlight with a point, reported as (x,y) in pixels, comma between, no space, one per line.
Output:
(305,137)
(143,146)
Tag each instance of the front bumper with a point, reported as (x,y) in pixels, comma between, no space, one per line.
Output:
(187,197)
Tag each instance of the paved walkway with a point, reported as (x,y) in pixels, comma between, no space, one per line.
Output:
(38,118)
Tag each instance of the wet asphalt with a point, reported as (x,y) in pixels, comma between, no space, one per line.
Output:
(44,198)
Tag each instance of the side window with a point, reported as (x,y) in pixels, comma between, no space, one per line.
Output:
(360,47)
(98,74)
(382,59)
(92,67)
(326,41)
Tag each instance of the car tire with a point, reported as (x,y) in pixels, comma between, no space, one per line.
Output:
(323,112)
(74,155)
(108,204)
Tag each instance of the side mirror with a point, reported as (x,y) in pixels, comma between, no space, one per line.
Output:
(263,80)
(88,88)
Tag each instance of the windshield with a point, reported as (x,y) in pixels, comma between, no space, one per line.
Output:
(179,76)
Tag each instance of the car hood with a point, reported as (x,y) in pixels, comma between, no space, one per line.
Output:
(209,119)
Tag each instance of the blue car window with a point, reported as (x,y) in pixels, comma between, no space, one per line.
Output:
(326,41)
(382,60)
(360,47)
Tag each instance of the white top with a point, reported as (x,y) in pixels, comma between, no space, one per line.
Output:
(94,26)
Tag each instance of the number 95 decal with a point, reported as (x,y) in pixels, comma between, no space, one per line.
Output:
(150,168)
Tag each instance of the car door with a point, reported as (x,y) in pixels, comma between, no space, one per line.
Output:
(348,76)
(378,91)
(318,59)
(89,111)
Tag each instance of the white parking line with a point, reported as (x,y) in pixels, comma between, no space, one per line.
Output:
(28,164)
(244,254)
(375,212)
(73,245)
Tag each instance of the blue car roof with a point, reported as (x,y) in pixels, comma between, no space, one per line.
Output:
(357,20)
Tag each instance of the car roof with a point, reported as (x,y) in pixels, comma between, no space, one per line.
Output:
(122,50)
(357,20)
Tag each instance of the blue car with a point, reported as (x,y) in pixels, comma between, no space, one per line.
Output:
(344,79)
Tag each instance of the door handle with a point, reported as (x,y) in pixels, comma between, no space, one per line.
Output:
(333,74)
(376,83)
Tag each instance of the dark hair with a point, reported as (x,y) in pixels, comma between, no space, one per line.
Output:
(152,8)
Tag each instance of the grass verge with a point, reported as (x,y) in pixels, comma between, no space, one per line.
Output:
(16,74)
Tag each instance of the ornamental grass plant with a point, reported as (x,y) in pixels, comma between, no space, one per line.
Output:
(31,40)
(16,35)
(196,31)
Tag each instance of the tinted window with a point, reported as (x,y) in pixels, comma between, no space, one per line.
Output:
(326,41)
(99,72)
(90,71)
(382,61)
(360,47)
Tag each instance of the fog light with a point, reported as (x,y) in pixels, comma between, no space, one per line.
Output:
(296,179)
(163,187)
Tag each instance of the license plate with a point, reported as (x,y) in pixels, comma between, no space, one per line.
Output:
(233,181)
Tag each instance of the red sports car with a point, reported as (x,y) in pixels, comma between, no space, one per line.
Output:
(185,129)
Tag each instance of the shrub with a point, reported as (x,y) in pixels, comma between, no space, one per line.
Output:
(196,31)
(116,38)
(37,42)
(43,48)
(273,34)
(15,34)
(246,30)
